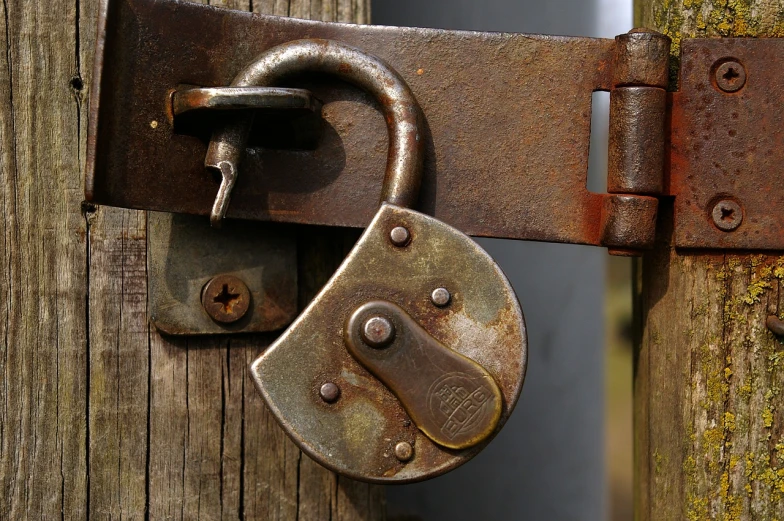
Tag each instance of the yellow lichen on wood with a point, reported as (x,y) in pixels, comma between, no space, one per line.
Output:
(709,401)
(718,388)
(681,19)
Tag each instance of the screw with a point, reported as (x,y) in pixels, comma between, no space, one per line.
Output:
(378,331)
(404,451)
(226,299)
(775,325)
(441,297)
(730,76)
(400,236)
(727,215)
(329,392)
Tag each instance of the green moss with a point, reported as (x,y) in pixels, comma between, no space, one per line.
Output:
(767,417)
(729,421)
(768,476)
(717,388)
(698,508)
(707,451)
(690,434)
(745,390)
(700,311)
(757,287)
(774,360)
(732,18)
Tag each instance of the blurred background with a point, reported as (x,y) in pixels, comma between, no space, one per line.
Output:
(566,453)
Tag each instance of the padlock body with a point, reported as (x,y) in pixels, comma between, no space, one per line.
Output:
(356,433)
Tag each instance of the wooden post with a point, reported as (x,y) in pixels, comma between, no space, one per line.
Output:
(709,376)
(100,416)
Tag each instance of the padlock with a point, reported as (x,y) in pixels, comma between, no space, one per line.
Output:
(413,355)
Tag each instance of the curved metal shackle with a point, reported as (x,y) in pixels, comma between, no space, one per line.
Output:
(399,106)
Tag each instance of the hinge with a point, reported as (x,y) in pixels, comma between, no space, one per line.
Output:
(726,150)
(508,129)
(635,171)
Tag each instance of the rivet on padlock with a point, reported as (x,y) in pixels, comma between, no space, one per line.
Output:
(385,377)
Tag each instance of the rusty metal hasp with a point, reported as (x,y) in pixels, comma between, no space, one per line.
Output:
(506,139)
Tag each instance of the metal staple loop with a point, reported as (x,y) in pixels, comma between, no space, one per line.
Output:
(775,325)
(241,98)
(401,111)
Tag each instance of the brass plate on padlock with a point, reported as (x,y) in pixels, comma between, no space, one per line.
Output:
(356,426)
(413,365)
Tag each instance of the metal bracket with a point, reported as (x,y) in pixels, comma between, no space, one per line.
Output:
(727,145)
(185,255)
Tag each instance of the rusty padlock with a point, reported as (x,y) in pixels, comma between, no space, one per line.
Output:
(413,355)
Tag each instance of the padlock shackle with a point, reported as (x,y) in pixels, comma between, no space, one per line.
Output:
(401,111)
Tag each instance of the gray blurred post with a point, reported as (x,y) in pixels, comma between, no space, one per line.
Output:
(547,463)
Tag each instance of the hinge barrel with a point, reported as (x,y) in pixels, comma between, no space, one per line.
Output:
(636,141)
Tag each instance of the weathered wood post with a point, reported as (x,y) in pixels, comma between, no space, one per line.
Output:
(709,416)
(100,416)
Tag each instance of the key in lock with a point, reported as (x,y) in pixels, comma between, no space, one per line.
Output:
(412,357)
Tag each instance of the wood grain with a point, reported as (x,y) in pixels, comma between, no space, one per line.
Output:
(43,353)
(709,418)
(100,416)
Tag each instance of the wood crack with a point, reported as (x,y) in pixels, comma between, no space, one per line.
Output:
(241,505)
(117,357)
(149,425)
(11,248)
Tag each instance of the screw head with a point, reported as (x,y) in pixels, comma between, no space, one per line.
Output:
(775,325)
(730,76)
(727,215)
(226,299)
(329,392)
(404,451)
(441,297)
(378,331)
(400,236)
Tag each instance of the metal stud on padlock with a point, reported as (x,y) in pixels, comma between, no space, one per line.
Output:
(413,355)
